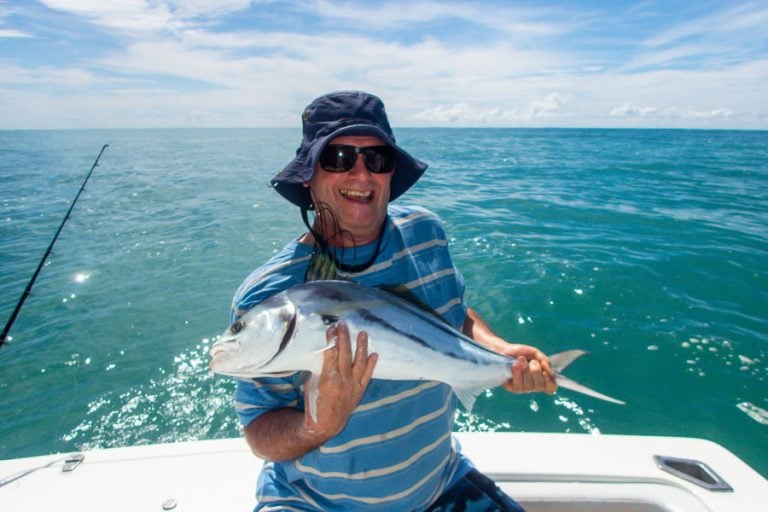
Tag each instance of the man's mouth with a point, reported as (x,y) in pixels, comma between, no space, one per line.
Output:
(357,195)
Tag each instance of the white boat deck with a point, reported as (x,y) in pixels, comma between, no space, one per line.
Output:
(544,472)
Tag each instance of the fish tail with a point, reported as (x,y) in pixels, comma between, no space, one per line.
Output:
(560,361)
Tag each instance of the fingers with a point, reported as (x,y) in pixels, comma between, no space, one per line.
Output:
(340,359)
(344,349)
(342,381)
(517,383)
(364,363)
(331,354)
(538,377)
(531,376)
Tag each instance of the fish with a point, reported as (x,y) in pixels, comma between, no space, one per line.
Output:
(286,333)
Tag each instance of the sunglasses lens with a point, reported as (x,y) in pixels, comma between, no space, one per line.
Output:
(380,159)
(338,158)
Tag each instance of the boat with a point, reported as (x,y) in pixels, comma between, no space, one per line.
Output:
(543,472)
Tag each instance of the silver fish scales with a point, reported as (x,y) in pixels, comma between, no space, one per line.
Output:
(286,333)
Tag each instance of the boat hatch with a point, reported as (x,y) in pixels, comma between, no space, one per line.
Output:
(71,462)
(693,471)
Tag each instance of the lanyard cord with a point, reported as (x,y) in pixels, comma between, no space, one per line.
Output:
(322,248)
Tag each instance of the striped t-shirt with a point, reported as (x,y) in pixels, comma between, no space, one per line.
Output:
(396,451)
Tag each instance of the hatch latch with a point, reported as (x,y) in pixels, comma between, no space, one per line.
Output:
(693,471)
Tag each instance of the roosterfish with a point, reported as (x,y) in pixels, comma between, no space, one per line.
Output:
(286,333)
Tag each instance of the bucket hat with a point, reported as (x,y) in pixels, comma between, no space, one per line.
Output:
(333,115)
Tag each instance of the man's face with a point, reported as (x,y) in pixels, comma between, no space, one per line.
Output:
(358,197)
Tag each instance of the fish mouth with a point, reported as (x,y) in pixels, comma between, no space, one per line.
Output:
(223,350)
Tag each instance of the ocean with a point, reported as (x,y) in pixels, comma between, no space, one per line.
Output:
(648,248)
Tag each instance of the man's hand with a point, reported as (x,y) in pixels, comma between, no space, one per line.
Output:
(342,382)
(531,372)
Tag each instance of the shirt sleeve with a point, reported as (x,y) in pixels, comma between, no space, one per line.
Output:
(254,397)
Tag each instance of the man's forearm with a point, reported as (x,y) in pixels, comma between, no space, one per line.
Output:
(477,329)
(281,434)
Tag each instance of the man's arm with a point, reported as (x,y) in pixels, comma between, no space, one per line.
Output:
(287,434)
(532,371)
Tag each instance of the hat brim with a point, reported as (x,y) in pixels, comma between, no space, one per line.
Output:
(290,181)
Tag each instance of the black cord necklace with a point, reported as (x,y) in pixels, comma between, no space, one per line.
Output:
(322,247)
(354,269)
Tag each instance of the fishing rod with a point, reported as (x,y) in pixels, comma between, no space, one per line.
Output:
(28,289)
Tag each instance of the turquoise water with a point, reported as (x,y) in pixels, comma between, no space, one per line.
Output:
(649,248)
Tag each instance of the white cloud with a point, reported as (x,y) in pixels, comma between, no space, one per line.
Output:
(514,22)
(628,110)
(463,114)
(724,113)
(549,106)
(732,21)
(133,15)
(47,76)
(208,8)
(148,16)
(10,33)
(179,58)
(457,114)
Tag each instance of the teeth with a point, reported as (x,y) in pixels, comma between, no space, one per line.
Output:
(355,193)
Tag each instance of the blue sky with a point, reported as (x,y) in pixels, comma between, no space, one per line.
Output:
(241,63)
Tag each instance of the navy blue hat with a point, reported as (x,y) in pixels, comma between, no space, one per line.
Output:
(333,115)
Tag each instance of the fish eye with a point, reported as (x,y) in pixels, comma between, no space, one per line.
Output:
(237,326)
(330,319)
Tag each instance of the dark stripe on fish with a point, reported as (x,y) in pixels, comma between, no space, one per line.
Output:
(372,318)
(288,334)
(286,338)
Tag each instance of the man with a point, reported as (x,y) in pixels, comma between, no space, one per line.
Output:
(376,444)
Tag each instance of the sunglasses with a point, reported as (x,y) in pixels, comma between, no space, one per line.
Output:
(342,158)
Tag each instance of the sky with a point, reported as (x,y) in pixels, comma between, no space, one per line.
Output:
(257,63)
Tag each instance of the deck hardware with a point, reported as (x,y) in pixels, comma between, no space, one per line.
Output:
(72,461)
(693,471)
(169,504)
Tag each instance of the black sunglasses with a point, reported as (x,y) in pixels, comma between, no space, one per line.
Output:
(342,158)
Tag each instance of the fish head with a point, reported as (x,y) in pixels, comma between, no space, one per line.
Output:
(246,348)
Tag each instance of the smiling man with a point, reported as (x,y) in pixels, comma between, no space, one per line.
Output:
(357,197)
(376,445)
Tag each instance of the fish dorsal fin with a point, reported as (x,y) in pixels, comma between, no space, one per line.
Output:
(405,293)
(321,268)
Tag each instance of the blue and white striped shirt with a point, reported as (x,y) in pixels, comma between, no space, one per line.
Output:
(396,451)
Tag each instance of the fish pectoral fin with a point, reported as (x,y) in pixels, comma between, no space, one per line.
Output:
(278,374)
(312,392)
(575,386)
(331,344)
(467,397)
